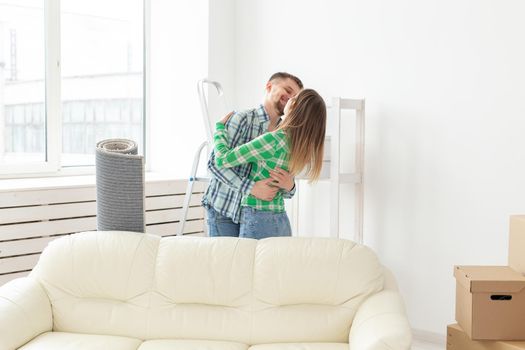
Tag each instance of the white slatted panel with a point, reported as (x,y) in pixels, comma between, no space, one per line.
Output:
(6,278)
(29,197)
(170,229)
(47,212)
(18,263)
(30,219)
(45,228)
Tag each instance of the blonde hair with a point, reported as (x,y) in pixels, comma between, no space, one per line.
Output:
(305,126)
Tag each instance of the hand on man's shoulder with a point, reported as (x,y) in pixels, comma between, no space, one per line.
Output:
(240,118)
(235,117)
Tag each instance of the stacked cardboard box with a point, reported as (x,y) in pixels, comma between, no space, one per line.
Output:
(457,339)
(490,301)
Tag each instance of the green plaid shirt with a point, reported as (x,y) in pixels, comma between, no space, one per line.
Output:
(266,152)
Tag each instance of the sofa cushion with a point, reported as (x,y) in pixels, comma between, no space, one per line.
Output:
(301,346)
(206,271)
(314,284)
(322,271)
(75,341)
(169,344)
(99,282)
(104,265)
(203,289)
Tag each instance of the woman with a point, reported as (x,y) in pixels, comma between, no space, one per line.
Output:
(296,144)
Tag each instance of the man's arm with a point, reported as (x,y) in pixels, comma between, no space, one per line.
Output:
(229,177)
(264,190)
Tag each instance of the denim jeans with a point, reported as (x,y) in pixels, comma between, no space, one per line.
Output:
(219,225)
(260,224)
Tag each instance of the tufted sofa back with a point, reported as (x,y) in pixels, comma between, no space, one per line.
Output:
(282,289)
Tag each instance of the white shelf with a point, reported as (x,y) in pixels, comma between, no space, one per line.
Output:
(331,170)
(351,178)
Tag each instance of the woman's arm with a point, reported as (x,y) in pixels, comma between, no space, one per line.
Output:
(227,176)
(260,148)
(284,180)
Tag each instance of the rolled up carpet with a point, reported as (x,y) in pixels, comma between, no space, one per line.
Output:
(120,186)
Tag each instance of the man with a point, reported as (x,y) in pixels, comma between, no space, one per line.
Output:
(227,186)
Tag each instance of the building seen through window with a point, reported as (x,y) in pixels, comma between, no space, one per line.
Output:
(101,46)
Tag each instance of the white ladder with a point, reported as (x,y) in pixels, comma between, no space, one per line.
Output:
(205,145)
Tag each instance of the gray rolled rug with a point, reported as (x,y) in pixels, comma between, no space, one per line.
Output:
(120,186)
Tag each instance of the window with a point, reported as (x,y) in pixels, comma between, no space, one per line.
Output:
(81,83)
(22,88)
(102,76)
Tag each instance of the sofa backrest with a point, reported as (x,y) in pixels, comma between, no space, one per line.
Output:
(284,289)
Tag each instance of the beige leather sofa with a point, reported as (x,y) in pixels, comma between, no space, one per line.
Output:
(123,291)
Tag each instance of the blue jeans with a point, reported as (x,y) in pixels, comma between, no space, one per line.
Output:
(260,224)
(219,225)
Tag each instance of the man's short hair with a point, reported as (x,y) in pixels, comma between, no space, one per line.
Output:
(284,75)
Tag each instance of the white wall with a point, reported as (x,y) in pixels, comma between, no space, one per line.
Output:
(179,58)
(222,57)
(444,83)
(190,40)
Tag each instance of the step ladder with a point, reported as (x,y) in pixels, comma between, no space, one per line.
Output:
(206,145)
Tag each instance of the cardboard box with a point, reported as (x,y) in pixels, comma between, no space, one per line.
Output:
(457,339)
(517,243)
(490,302)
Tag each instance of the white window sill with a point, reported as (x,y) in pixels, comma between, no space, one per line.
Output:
(43,183)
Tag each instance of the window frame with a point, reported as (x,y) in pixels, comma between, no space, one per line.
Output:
(51,166)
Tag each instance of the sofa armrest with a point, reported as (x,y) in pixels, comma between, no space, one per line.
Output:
(25,312)
(380,322)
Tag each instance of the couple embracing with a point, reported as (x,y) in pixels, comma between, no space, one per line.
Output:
(257,153)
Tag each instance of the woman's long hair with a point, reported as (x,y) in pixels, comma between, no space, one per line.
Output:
(305,126)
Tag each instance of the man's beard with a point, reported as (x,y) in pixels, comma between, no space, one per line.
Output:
(279,107)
